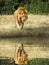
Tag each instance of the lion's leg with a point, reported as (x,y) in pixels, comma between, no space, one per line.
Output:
(17,25)
(22,26)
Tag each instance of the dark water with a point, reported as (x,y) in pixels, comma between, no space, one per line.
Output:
(37,41)
(36,61)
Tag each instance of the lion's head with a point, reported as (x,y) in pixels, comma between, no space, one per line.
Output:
(23,14)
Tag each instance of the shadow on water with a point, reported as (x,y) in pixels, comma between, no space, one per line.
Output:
(41,32)
(36,36)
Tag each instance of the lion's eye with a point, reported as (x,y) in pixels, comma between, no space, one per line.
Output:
(19,12)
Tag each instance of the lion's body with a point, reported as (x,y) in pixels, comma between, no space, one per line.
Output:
(20,16)
(21,56)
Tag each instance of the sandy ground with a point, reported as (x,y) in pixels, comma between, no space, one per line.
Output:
(35,36)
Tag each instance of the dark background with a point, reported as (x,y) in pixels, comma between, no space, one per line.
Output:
(33,6)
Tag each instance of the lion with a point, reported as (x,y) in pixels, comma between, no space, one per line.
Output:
(20,56)
(20,16)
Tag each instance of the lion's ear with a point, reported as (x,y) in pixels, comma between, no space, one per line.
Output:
(26,12)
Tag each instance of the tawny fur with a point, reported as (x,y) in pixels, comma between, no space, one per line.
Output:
(21,56)
(20,16)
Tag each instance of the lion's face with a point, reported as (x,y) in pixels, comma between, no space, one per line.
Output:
(22,16)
